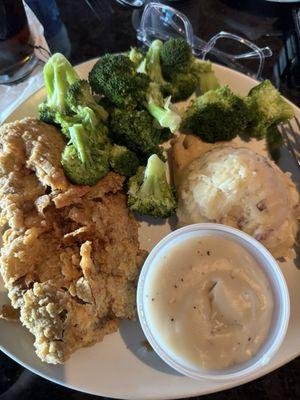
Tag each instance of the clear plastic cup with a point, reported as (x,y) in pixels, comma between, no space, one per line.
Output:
(281,306)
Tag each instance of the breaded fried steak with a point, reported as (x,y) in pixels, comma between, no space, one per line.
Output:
(70,256)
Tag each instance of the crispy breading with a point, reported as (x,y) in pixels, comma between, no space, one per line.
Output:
(70,256)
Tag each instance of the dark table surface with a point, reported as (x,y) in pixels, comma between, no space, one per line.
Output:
(264,23)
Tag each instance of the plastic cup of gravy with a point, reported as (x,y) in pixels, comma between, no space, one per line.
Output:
(213,302)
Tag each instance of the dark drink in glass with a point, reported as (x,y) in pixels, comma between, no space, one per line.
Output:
(17,57)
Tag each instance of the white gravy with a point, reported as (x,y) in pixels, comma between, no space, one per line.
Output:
(210,302)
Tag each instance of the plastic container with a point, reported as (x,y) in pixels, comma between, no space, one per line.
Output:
(281,307)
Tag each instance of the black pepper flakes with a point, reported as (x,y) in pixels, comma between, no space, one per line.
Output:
(175,286)
(208,252)
(152,299)
(181,279)
(172,319)
(249,339)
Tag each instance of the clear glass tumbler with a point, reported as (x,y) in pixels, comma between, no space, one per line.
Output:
(17,58)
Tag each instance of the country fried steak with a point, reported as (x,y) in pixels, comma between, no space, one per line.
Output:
(70,256)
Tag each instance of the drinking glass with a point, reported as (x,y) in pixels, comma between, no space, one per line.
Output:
(17,58)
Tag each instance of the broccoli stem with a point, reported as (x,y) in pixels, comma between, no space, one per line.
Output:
(155,169)
(165,116)
(58,74)
(77,135)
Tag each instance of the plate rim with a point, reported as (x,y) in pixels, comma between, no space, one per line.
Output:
(129,395)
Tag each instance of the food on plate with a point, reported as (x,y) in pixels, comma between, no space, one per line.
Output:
(185,73)
(58,75)
(123,161)
(116,77)
(172,66)
(267,108)
(220,115)
(240,188)
(217,115)
(135,130)
(149,192)
(70,256)
(207,307)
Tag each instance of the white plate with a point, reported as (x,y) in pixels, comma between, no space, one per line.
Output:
(121,366)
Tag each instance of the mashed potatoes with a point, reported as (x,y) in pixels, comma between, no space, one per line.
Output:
(240,188)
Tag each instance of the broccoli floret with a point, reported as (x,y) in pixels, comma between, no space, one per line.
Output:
(184,72)
(274,141)
(149,192)
(84,173)
(115,77)
(137,131)
(217,115)
(176,55)
(136,56)
(267,108)
(97,131)
(84,162)
(123,161)
(151,63)
(181,86)
(166,117)
(79,95)
(58,75)
(205,75)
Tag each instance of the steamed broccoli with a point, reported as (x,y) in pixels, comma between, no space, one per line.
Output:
(58,75)
(79,95)
(85,158)
(274,141)
(217,115)
(149,192)
(97,131)
(123,160)
(136,56)
(137,131)
(115,77)
(160,109)
(205,75)
(267,108)
(84,173)
(184,72)
(151,63)
(176,55)
(181,86)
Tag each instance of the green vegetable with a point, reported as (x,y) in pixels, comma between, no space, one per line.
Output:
(79,95)
(151,63)
(123,161)
(97,131)
(184,73)
(274,142)
(181,86)
(89,172)
(217,115)
(205,75)
(115,76)
(267,108)
(166,117)
(176,55)
(149,192)
(58,75)
(136,56)
(137,131)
